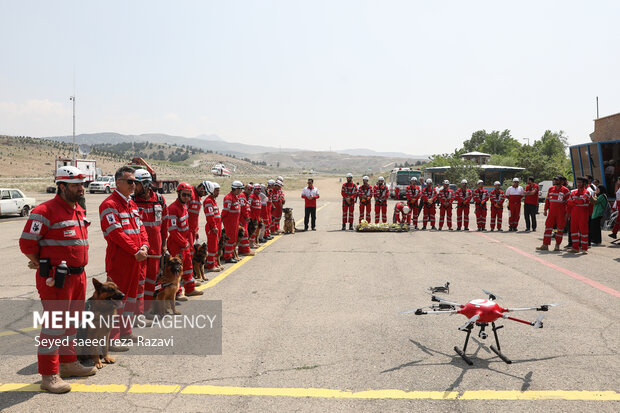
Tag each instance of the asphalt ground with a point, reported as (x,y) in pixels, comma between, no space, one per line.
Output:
(312,323)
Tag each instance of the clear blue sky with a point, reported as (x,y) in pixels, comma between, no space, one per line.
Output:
(411,76)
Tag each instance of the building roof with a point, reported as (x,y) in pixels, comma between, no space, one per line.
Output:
(483,167)
(476,154)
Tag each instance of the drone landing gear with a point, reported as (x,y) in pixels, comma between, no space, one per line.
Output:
(482,335)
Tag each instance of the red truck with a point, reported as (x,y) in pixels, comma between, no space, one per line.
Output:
(161,186)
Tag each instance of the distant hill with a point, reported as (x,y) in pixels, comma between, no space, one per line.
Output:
(359,161)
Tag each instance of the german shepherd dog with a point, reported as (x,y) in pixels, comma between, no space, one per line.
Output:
(289,221)
(104,303)
(220,248)
(254,228)
(240,234)
(168,285)
(198,261)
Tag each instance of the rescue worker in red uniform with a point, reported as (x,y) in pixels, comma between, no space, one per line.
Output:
(193,208)
(179,237)
(230,218)
(401,213)
(463,196)
(255,210)
(578,206)
(56,231)
(413,194)
(213,227)
(364,193)
(429,197)
(445,198)
(349,195)
(515,194)
(128,245)
(266,205)
(381,194)
(497,198)
(481,196)
(555,211)
(244,219)
(152,209)
(277,203)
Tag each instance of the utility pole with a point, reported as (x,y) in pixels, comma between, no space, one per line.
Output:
(528,141)
(597,107)
(72,98)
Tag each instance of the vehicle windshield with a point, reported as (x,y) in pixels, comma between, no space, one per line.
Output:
(405,178)
(103,179)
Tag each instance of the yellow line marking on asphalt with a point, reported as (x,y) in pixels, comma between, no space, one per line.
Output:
(235,267)
(154,388)
(576,395)
(22,330)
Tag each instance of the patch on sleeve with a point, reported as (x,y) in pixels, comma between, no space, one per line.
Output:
(210,209)
(35,228)
(111,218)
(173,222)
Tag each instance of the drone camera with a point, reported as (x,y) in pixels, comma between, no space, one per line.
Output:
(482,335)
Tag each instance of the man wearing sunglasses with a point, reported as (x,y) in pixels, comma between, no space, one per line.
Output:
(127,245)
(179,237)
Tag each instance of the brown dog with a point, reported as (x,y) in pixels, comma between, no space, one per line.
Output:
(240,234)
(198,261)
(104,303)
(254,228)
(168,285)
(220,248)
(289,221)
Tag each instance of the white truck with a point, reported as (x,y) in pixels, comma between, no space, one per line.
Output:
(88,166)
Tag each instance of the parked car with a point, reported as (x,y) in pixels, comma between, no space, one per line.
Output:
(104,184)
(14,202)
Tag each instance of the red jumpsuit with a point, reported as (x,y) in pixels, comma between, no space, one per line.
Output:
(497,207)
(555,207)
(399,214)
(152,212)
(349,194)
(463,199)
(364,193)
(579,210)
(481,196)
(56,231)
(213,229)
(193,208)
(277,203)
(230,218)
(255,209)
(244,219)
(266,214)
(381,194)
(429,196)
(179,236)
(445,197)
(125,234)
(413,194)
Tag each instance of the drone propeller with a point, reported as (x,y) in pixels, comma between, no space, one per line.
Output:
(437,298)
(538,323)
(544,307)
(420,311)
(469,322)
(492,296)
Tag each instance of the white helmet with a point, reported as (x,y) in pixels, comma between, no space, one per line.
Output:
(413,178)
(209,187)
(515,179)
(204,184)
(271,182)
(406,210)
(365,178)
(464,181)
(279,183)
(70,175)
(446,182)
(257,186)
(349,175)
(279,178)
(237,185)
(381,179)
(142,175)
(480,181)
(215,185)
(496,183)
(429,181)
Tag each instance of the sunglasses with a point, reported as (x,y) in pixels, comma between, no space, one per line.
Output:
(129,181)
(185,195)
